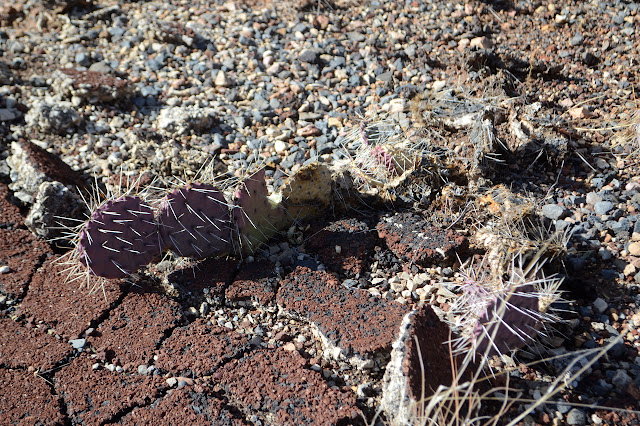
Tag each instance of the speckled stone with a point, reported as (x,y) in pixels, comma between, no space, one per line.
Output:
(343,246)
(276,386)
(98,396)
(67,307)
(27,400)
(254,285)
(350,319)
(185,406)
(135,327)
(23,254)
(410,236)
(199,349)
(23,347)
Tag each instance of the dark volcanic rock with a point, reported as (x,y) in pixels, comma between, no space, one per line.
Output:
(343,246)
(254,285)
(22,347)
(10,216)
(412,237)
(199,349)
(135,328)
(185,406)
(67,307)
(414,367)
(27,400)
(22,253)
(351,319)
(97,396)
(204,281)
(275,386)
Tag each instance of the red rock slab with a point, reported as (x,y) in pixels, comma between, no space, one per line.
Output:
(135,328)
(67,307)
(343,246)
(351,319)
(22,347)
(199,349)
(205,280)
(410,236)
(254,286)
(185,406)
(10,216)
(94,397)
(413,365)
(28,400)
(275,386)
(50,165)
(23,254)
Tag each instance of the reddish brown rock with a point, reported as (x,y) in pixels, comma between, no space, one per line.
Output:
(199,349)
(253,286)
(350,319)
(187,407)
(410,236)
(27,400)
(10,216)
(135,328)
(416,369)
(204,281)
(22,347)
(68,307)
(23,254)
(275,386)
(94,397)
(91,86)
(343,246)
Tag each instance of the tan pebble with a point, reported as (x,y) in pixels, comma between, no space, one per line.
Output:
(634,249)
(289,347)
(481,42)
(635,236)
(629,269)
(580,112)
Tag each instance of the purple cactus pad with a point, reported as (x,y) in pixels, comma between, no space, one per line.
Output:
(120,237)
(195,221)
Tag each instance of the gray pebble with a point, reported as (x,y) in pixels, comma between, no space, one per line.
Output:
(77,343)
(554,211)
(83,59)
(593,198)
(576,416)
(603,207)
(142,369)
(600,305)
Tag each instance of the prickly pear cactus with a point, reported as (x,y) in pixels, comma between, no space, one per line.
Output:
(257,218)
(120,237)
(307,193)
(194,221)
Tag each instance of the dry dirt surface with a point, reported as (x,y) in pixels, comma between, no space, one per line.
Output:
(523,110)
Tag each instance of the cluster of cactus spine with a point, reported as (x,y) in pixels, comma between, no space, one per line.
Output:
(495,315)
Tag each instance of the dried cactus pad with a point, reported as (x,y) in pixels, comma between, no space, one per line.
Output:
(120,237)
(257,217)
(195,222)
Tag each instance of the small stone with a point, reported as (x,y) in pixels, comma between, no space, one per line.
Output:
(289,347)
(308,55)
(77,343)
(621,379)
(142,369)
(600,304)
(4,269)
(280,146)
(634,249)
(222,80)
(171,382)
(481,42)
(580,112)
(554,211)
(603,207)
(576,416)
(629,270)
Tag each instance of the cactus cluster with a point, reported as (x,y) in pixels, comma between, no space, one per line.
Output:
(125,233)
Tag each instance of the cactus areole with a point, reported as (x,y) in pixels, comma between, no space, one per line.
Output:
(120,237)
(195,221)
